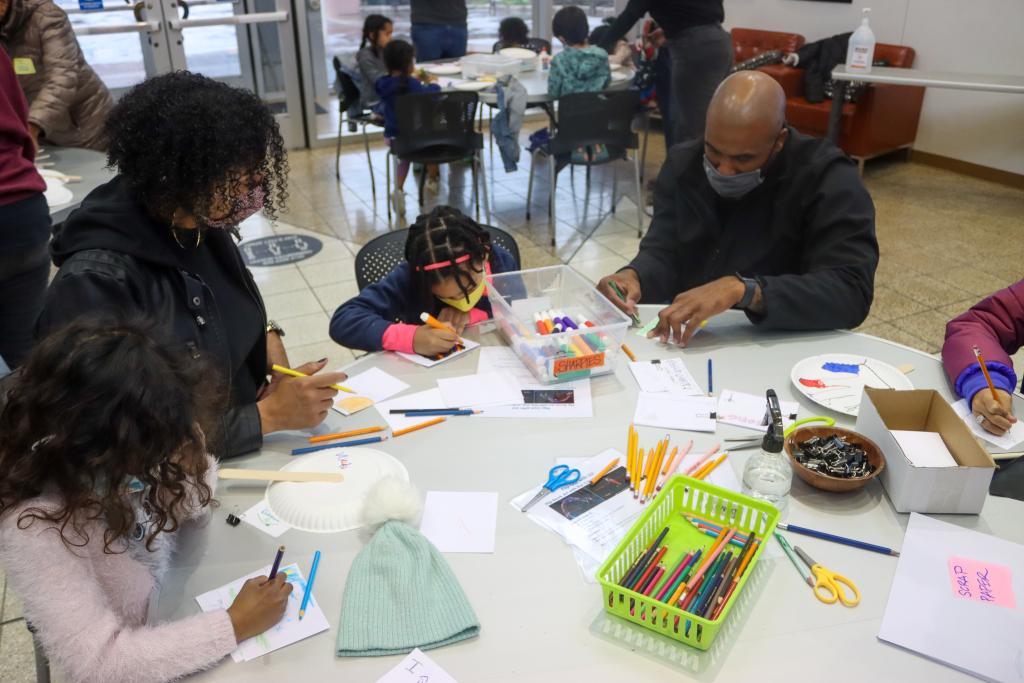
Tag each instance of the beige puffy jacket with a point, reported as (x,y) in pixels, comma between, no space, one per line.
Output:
(67,100)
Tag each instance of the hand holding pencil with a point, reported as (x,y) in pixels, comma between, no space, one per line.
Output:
(299,398)
(992,409)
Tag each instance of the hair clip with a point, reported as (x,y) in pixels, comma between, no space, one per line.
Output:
(444,264)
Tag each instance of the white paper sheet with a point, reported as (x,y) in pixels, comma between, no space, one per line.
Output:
(924,449)
(669,375)
(938,607)
(431,398)
(261,517)
(562,400)
(460,521)
(1009,441)
(497,388)
(417,668)
(287,631)
(371,386)
(747,410)
(670,411)
(431,362)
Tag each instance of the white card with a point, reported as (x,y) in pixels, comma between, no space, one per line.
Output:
(460,521)
(499,388)
(561,400)
(1008,441)
(370,387)
(924,449)
(417,668)
(748,410)
(670,375)
(260,516)
(431,362)
(669,411)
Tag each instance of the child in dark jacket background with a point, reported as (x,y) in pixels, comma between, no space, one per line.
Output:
(447,257)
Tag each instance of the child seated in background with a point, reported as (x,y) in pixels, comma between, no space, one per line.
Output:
(513,32)
(99,475)
(377,31)
(399,58)
(622,55)
(580,67)
(447,256)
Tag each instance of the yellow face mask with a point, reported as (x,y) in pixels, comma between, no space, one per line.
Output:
(463,304)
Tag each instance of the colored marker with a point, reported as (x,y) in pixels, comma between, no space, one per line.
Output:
(446,411)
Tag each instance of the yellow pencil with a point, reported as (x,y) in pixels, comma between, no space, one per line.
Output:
(639,463)
(657,468)
(295,373)
(706,470)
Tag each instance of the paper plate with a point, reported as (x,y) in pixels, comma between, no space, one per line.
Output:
(836,380)
(442,69)
(517,53)
(474,86)
(56,193)
(330,508)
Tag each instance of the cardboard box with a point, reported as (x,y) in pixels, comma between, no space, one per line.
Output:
(960,489)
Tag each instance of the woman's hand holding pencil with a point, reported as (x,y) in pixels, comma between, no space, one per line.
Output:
(299,398)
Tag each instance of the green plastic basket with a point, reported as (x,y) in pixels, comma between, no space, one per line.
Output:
(682,494)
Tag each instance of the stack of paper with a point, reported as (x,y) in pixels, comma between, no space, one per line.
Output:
(496,388)
(748,410)
(562,400)
(924,449)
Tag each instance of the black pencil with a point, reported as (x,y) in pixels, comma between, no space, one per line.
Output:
(277,562)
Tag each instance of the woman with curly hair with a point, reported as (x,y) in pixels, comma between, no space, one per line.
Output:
(99,474)
(194,158)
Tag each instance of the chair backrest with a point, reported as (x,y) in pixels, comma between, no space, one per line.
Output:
(379,256)
(535,44)
(750,42)
(349,94)
(596,118)
(436,119)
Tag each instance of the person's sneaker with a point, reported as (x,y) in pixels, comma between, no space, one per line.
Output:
(398,200)
(432,185)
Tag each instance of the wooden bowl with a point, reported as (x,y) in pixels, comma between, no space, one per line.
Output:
(826,482)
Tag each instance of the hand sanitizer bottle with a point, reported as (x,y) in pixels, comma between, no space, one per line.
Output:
(768,476)
(861,51)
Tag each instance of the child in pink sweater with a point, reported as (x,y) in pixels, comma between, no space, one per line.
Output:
(103,459)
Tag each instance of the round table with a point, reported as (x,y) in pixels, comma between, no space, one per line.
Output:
(536,84)
(73,161)
(541,621)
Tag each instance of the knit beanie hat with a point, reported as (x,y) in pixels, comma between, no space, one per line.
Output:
(400,594)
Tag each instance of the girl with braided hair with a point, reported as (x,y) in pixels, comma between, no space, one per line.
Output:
(447,258)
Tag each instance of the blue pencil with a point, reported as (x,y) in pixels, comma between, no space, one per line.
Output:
(323,447)
(853,543)
(435,413)
(711,385)
(309,584)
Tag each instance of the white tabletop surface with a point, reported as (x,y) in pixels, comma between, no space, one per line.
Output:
(73,161)
(540,620)
(934,79)
(536,84)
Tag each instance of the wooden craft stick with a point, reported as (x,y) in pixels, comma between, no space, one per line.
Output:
(280,475)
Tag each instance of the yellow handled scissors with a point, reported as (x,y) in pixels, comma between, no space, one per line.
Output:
(828,586)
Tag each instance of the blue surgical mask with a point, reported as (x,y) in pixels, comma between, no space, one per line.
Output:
(732,186)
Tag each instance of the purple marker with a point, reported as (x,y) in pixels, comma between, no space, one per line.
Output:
(569,322)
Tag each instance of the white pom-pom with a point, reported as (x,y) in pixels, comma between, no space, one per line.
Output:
(391,498)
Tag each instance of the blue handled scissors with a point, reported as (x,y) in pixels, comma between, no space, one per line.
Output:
(558,476)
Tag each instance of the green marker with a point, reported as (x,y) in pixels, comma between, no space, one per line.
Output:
(634,316)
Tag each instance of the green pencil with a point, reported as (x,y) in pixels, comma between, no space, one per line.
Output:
(618,292)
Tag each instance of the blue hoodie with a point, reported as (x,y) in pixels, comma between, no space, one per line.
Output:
(390,88)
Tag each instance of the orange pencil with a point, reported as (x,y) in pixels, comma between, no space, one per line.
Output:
(428,423)
(438,325)
(607,468)
(706,470)
(344,435)
(629,353)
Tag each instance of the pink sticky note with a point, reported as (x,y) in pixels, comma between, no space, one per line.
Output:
(981,581)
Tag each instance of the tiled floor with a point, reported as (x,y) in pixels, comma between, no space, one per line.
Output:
(947,240)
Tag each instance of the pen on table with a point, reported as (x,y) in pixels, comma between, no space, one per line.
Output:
(325,446)
(309,585)
(984,371)
(711,384)
(428,423)
(607,468)
(345,435)
(805,571)
(618,292)
(825,536)
(277,562)
(435,413)
(295,373)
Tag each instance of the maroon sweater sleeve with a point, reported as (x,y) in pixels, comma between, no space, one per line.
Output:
(18,176)
(995,325)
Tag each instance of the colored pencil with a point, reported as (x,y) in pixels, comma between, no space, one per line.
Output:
(345,435)
(651,549)
(447,411)
(673,466)
(680,568)
(658,573)
(639,472)
(711,384)
(713,526)
(629,353)
(737,570)
(309,585)
(325,446)
(277,561)
(406,411)
(660,456)
(693,597)
(422,425)
(735,540)
(692,468)
(715,584)
(805,571)
(853,543)
(721,585)
(622,297)
(295,373)
(607,468)
(984,371)
(707,469)
(712,556)
(651,566)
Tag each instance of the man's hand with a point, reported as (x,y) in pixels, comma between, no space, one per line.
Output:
(627,281)
(300,402)
(454,317)
(430,342)
(998,415)
(693,307)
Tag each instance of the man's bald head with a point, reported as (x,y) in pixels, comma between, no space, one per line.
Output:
(745,117)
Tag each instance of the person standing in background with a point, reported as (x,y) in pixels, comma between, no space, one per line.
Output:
(438,28)
(701,54)
(24,223)
(68,103)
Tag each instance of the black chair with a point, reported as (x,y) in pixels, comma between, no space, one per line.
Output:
(348,100)
(535,44)
(379,256)
(586,120)
(438,128)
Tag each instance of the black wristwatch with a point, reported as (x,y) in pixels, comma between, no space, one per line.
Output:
(274,327)
(749,289)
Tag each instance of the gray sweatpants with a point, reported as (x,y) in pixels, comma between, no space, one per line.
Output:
(701,57)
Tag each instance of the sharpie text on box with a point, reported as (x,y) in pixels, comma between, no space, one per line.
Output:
(981,581)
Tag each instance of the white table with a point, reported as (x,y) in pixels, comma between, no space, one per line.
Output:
(929,79)
(540,620)
(73,161)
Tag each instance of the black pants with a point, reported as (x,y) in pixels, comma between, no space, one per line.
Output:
(701,57)
(24,271)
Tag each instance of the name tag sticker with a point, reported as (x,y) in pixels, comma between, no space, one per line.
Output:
(23,66)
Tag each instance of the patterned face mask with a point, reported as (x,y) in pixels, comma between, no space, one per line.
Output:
(243,208)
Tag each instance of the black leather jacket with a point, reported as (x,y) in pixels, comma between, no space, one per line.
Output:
(113,258)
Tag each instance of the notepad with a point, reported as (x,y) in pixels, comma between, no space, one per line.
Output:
(668,411)
(370,387)
(497,388)
(460,521)
(416,358)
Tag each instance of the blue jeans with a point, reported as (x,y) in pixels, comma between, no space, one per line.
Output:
(438,41)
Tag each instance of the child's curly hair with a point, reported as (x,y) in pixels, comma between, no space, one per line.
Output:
(96,404)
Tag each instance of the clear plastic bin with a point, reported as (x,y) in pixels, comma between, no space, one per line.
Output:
(517,298)
(492,66)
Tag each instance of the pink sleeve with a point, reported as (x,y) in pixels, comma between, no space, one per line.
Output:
(477,315)
(85,638)
(398,337)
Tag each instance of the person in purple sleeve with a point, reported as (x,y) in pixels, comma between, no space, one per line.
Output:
(996,326)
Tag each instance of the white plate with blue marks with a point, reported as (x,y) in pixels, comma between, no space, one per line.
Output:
(836,380)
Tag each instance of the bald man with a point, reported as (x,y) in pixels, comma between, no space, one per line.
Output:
(758,217)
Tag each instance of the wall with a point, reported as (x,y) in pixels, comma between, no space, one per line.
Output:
(980,36)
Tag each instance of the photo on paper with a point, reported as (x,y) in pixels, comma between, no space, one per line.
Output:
(587,498)
(566,397)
